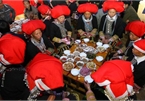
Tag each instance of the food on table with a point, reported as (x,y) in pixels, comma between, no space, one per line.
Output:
(76,53)
(79,49)
(91,55)
(77,58)
(85,60)
(70,56)
(100,48)
(80,64)
(84,71)
(91,65)
(70,60)
(63,58)
(68,66)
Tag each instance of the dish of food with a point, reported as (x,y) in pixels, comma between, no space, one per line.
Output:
(67,66)
(70,60)
(70,56)
(99,58)
(63,58)
(91,56)
(88,79)
(79,49)
(82,54)
(76,53)
(67,52)
(86,40)
(80,64)
(100,48)
(85,71)
(99,43)
(75,72)
(85,60)
(91,65)
(77,58)
(106,46)
(77,41)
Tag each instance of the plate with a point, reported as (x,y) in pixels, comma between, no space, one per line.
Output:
(88,79)
(106,46)
(99,58)
(82,54)
(67,52)
(75,72)
(99,43)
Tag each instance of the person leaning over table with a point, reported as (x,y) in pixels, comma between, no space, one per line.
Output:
(30,11)
(136,31)
(38,42)
(60,30)
(87,23)
(46,17)
(115,81)
(111,26)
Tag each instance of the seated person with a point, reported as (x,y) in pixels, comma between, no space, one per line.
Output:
(116,79)
(44,77)
(60,31)
(87,23)
(136,32)
(111,26)
(38,41)
(30,12)
(12,52)
(46,17)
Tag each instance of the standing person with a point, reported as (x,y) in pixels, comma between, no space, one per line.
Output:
(111,26)
(129,14)
(136,31)
(60,32)
(38,42)
(116,78)
(87,23)
(30,11)
(12,52)
(7,13)
(46,17)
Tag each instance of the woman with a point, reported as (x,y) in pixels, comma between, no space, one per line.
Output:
(46,17)
(111,26)
(87,23)
(30,12)
(60,32)
(38,42)
(12,52)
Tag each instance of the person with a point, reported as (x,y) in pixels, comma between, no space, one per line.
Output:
(7,13)
(136,31)
(38,42)
(117,81)
(111,26)
(40,79)
(60,30)
(139,71)
(30,11)
(12,52)
(87,23)
(129,14)
(46,17)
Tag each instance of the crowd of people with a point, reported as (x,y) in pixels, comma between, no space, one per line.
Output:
(30,68)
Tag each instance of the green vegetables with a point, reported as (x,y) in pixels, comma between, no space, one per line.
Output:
(91,55)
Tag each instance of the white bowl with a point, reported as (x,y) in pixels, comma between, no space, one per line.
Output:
(67,67)
(80,62)
(99,43)
(88,79)
(75,72)
(86,40)
(63,58)
(77,41)
(100,49)
(76,53)
(106,46)
(83,55)
(99,58)
(67,52)
(70,60)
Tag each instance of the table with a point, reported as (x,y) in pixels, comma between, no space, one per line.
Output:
(77,81)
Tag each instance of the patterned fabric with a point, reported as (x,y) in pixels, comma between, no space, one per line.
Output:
(88,24)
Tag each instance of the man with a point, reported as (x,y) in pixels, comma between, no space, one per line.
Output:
(7,13)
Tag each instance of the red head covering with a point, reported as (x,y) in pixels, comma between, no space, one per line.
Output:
(32,25)
(44,9)
(87,7)
(139,45)
(12,49)
(117,78)
(136,27)
(118,6)
(60,10)
(45,72)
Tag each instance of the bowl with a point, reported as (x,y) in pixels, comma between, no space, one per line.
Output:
(100,49)
(86,40)
(85,60)
(70,56)
(106,46)
(85,71)
(88,79)
(80,64)
(67,66)
(77,41)
(63,58)
(99,58)
(76,53)
(77,58)
(91,65)
(75,72)
(67,52)
(70,60)
(99,43)
(83,55)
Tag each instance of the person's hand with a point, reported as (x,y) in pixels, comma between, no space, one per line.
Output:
(87,85)
(116,54)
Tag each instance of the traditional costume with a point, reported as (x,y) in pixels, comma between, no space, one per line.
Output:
(87,27)
(33,46)
(12,52)
(117,79)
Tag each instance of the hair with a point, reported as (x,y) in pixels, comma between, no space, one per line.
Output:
(129,2)
(4,27)
(26,1)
